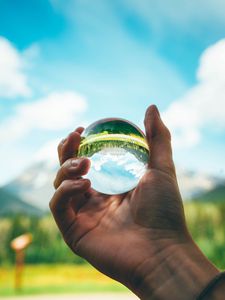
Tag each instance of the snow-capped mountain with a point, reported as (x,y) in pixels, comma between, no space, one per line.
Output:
(35,184)
(193,184)
(11,204)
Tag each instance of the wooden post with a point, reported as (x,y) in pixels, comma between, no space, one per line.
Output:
(19,245)
(19,269)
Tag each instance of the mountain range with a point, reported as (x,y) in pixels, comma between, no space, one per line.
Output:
(217,194)
(12,204)
(31,191)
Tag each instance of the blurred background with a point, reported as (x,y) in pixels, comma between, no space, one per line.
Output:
(65,64)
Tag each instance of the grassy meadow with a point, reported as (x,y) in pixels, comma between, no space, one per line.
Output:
(57,278)
(52,268)
(95,143)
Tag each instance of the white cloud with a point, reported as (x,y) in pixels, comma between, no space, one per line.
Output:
(13,81)
(203,105)
(57,111)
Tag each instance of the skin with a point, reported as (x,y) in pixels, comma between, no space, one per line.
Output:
(138,238)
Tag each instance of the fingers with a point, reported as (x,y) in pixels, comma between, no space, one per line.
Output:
(159,141)
(61,205)
(71,169)
(68,147)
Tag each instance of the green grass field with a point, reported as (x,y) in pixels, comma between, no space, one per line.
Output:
(52,279)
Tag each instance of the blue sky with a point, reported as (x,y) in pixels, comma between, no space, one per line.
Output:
(68,63)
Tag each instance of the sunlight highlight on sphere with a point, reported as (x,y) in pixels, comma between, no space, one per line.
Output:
(118,153)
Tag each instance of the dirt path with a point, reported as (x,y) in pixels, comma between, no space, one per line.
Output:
(105,296)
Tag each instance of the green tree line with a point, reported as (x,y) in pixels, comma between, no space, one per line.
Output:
(137,150)
(206,222)
(47,246)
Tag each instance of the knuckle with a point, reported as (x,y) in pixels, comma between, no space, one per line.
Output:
(63,189)
(68,186)
(72,167)
(65,172)
(66,168)
(64,186)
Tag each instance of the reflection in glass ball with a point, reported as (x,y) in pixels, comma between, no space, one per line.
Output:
(118,153)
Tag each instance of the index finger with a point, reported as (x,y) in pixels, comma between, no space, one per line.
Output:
(69,146)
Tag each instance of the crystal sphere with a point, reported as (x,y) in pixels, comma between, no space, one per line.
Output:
(118,152)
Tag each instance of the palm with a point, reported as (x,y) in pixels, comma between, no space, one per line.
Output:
(118,221)
(136,207)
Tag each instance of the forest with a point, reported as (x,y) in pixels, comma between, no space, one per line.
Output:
(205,221)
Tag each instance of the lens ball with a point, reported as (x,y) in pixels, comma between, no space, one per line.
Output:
(118,152)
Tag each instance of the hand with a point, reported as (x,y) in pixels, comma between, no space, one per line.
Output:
(129,237)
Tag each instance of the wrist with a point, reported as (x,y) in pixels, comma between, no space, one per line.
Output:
(179,271)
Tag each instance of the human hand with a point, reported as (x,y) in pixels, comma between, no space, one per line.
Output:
(129,237)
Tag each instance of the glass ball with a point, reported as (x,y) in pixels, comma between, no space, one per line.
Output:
(118,152)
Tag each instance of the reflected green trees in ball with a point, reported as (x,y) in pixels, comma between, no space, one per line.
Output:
(118,153)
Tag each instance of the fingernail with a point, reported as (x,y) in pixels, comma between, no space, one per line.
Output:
(154,110)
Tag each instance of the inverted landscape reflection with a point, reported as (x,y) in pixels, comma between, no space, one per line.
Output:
(118,153)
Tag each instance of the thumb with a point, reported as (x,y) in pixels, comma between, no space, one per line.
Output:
(159,142)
